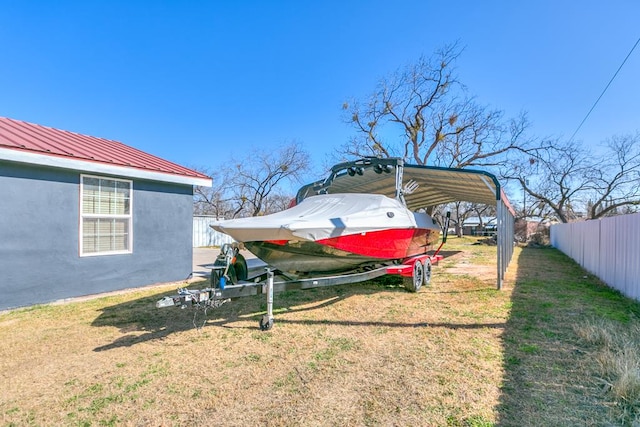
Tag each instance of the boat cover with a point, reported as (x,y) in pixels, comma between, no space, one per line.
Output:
(325,216)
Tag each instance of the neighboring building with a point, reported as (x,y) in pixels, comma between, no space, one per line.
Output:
(484,226)
(81,215)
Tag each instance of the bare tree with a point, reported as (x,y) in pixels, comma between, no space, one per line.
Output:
(208,201)
(211,200)
(554,175)
(252,186)
(277,202)
(258,176)
(565,179)
(615,178)
(481,211)
(460,212)
(438,124)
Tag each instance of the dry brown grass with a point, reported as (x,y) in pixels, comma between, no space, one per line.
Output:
(459,353)
(617,352)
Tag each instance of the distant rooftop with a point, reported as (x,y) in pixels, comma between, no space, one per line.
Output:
(77,151)
(486,221)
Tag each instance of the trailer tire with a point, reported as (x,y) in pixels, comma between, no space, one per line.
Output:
(427,272)
(414,282)
(240,268)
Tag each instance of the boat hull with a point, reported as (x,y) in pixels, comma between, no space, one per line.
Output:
(343,253)
(335,232)
(307,257)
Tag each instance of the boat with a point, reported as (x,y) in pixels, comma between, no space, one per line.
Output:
(367,219)
(332,233)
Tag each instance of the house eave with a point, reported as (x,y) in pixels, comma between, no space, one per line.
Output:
(27,157)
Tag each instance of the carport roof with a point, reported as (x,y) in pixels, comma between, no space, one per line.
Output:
(435,185)
(424,187)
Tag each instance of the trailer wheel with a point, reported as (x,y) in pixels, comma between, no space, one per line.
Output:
(240,268)
(427,271)
(266,323)
(414,283)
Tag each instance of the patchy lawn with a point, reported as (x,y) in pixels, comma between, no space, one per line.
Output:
(541,352)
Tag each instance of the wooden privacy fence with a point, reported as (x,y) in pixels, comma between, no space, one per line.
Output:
(608,248)
(203,235)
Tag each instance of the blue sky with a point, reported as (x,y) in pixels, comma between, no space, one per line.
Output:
(197,82)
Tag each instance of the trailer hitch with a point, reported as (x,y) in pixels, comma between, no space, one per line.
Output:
(186,298)
(223,272)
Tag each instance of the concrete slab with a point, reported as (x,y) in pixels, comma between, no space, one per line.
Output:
(203,259)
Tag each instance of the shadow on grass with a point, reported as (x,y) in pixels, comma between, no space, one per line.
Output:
(549,374)
(140,315)
(133,317)
(452,326)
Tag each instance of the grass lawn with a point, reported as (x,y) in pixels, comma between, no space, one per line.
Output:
(554,348)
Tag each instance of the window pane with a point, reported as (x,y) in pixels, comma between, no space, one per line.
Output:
(106,200)
(89,238)
(91,183)
(91,190)
(120,235)
(107,194)
(106,197)
(123,194)
(104,235)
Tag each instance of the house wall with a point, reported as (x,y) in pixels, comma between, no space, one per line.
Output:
(39,227)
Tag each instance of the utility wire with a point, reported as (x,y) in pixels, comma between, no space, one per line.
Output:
(605,89)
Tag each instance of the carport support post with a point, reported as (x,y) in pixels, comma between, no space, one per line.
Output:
(505,238)
(500,240)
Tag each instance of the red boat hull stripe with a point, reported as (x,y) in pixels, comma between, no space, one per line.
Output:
(384,244)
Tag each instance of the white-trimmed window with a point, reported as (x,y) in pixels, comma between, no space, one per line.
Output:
(105,215)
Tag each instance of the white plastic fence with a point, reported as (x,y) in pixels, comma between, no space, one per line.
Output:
(203,235)
(608,248)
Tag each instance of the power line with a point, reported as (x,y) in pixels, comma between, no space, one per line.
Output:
(605,89)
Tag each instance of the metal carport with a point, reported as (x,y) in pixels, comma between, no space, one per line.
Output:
(423,187)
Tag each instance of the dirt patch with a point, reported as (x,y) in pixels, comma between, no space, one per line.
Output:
(479,263)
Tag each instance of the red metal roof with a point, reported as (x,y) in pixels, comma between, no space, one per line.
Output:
(19,135)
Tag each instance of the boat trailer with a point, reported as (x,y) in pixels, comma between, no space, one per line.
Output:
(231,278)
(228,281)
